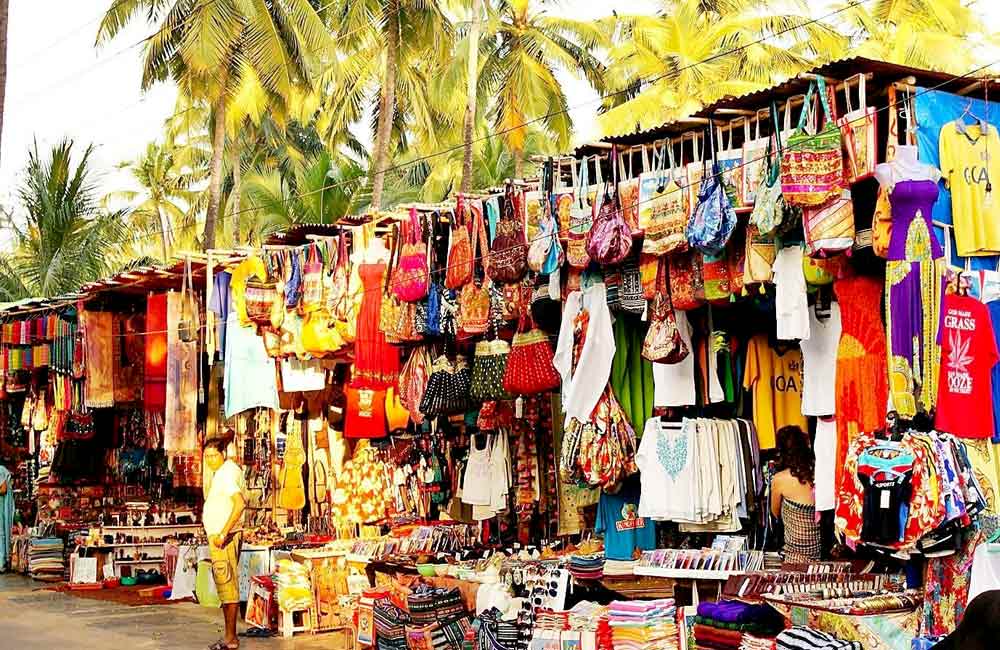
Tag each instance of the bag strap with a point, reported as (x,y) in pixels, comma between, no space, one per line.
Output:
(668,145)
(645,160)
(824,100)
(777,131)
(393,257)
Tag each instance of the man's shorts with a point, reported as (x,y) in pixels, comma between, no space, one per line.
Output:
(226,569)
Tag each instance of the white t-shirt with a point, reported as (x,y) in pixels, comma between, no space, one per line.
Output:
(222,487)
(985,571)
(826,463)
(297,375)
(790,301)
(819,364)
(668,470)
(673,383)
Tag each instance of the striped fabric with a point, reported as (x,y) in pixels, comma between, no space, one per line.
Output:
(805,638)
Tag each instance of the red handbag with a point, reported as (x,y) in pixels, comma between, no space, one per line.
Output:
(509,252)
(529,364)
(461,260)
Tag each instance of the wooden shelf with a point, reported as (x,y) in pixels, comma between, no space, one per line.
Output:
(690,574)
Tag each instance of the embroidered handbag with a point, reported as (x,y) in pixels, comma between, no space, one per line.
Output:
(541,246)
(769,206)
(610,238)
(489,363)
(663,342)
(858,128)
(736,260)
(508,253)
(754,160)
(411,278)
(829,228)
(473,309)
(820,272)
(264,305)
(714,219)
(631,294)
(516,300)
(413,378)
(580,220)
(461,258)
(447,388)
(649,268)
(760,255)
(812,167)
(320,335)
(715,272)
(667,208)
(687,288)
(312,281)
(529,367)
(730,161)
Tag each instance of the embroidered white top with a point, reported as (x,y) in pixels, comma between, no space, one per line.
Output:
(582,386)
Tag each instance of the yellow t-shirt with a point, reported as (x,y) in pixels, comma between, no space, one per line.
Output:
(968,161)
(776,381)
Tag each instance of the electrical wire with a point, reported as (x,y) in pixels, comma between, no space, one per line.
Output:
(382,288)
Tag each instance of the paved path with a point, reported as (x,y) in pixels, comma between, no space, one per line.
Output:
(34,619)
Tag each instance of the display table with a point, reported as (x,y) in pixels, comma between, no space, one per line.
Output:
(892,630)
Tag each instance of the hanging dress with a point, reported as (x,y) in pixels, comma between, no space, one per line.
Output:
(376,362)
(913,297)
(862,393)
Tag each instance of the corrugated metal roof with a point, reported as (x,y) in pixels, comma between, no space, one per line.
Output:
(882,74)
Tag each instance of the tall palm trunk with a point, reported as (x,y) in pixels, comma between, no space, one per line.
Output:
(237,188)
(387,103)
(518,154)
(472,83)
(3,60)
(164,233)
(215,170)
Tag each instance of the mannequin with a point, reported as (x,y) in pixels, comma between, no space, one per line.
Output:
(6,515)
(368,248)
(906,166)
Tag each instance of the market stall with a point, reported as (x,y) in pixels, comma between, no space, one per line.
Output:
(638,401)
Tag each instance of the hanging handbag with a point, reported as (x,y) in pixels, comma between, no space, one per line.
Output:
(649,268)
(736,260)
(687,288)
(755,167)
(516,300)
(508,252)
(730,162)
(628,194)
(541,246)
(320,335)
(694,173)
(812,164)
(769,208)
(264,304)
(489,363)
(546,311)
(580,219)
(461,260)
(713,221)
(858,128)
(447,389)
(663,342)
(829,228)
(188,323)
(820,272)
(411,278)
(667,208)
(715,274)
(760,255)
(529,367)
(631,297)
(610,238)
(413,378)
(474,299)
(312,281)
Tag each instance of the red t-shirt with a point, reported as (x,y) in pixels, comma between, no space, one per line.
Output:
(968,354)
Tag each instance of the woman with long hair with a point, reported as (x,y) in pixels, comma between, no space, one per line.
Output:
(793,497)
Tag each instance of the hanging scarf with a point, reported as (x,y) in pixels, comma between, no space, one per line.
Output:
(129,357)
(100,386)
(155,385)
(180,426)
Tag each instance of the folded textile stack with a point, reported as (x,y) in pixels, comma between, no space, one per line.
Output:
(708,637)
(45,559)
(496,633)
(618,568)
(806,638)
(604,639)
(751,642)
(643,624)
(294,587)
(586,615)
(586,567)
(547,619)
(723,625)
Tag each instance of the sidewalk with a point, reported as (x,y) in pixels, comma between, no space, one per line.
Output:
(32,618)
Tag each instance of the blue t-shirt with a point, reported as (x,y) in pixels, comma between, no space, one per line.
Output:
(624,530)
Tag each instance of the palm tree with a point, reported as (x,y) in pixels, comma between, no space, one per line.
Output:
(391,49)
(163,204)
(527,46)
(932,34)
(471,99)
(235,54)
(323,190)
(65,238)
